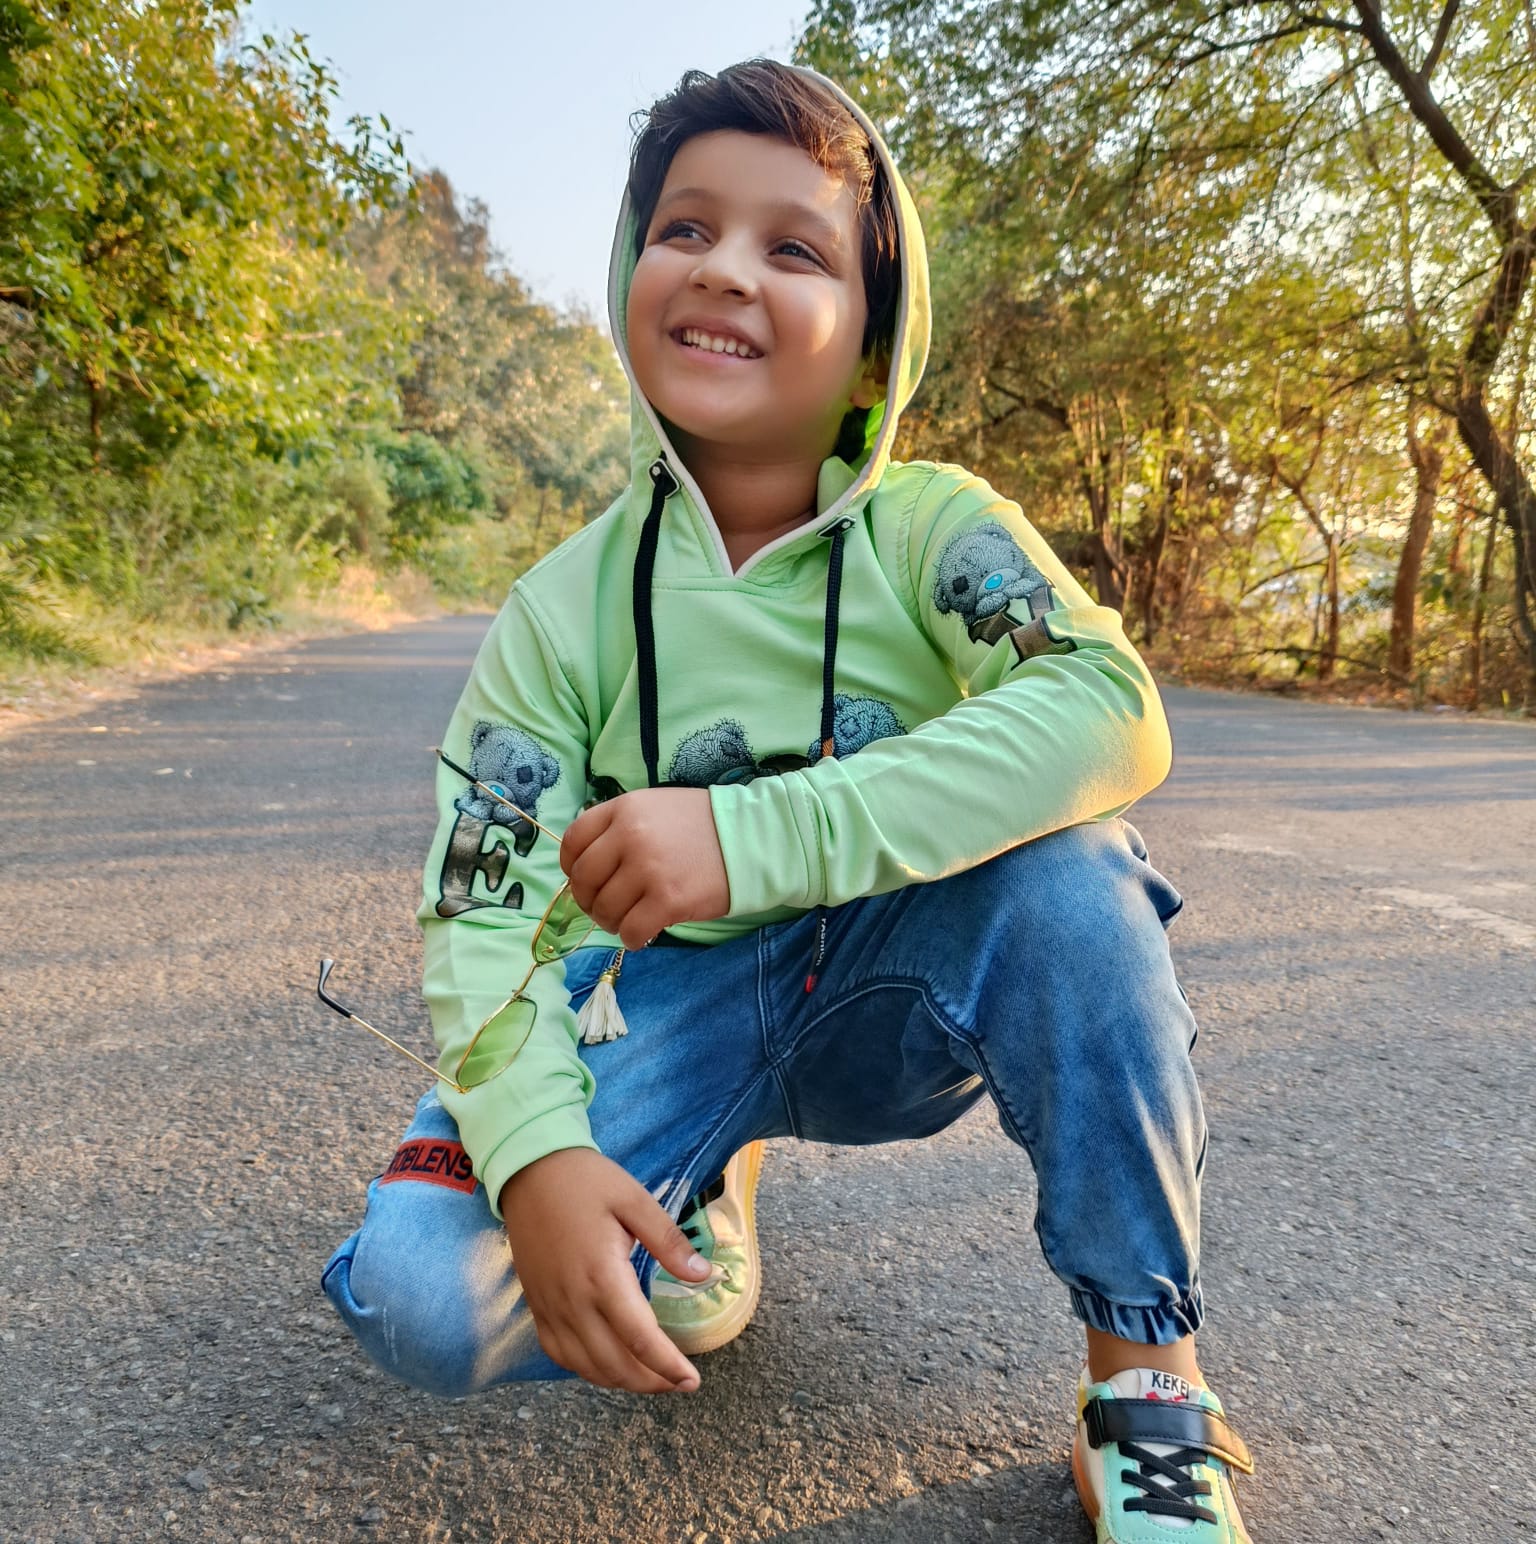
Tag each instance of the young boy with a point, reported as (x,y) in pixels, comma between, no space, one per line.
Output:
(835,748)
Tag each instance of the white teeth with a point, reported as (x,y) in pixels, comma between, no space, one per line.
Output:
(713,345)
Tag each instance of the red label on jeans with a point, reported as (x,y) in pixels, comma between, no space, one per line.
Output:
(436,1163)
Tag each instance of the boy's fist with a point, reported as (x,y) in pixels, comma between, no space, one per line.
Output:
(645,860)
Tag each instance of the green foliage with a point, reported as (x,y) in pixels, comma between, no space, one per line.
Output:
(239,343)
(430,487)
(1197,268)
(168,224)
(539,397)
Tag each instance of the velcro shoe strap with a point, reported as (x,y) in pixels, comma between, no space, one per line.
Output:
(1160,1420)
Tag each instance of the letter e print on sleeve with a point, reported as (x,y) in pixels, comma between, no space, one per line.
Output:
(515,765)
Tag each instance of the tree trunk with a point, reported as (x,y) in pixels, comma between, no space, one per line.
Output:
(93,390)
(1479,611)
(1428,461)
(1150,569)
(1516,502)
(1108,560)
(1330,649)
(1499,201)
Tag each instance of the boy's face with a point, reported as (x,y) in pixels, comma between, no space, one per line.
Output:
(754,245)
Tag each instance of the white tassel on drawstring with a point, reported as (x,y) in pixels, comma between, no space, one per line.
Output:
(601,1018)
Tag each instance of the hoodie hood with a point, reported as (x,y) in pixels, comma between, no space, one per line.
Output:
(840,485)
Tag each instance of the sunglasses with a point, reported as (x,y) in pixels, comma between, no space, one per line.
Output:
(503,1033)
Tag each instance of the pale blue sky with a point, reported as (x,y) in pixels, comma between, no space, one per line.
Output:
(527,106)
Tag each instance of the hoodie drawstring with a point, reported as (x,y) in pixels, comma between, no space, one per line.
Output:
(601,1019)
(828,709)
(663,485)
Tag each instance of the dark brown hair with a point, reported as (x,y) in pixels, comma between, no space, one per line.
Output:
(762,96)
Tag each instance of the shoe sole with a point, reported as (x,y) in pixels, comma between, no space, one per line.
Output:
(729,1325)
(1080,1478)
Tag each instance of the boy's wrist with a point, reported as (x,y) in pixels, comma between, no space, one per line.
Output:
(558,1130)
(541,1170)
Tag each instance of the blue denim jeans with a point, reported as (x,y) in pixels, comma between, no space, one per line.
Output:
(1041,978)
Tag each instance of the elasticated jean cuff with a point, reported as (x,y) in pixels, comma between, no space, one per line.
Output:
(1157,1326)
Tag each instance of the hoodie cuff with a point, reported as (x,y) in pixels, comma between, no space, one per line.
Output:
(548,1134)
(767,833)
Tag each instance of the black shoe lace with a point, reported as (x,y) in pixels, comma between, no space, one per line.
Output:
(692,1224)
(691,1219)
(1167,1482)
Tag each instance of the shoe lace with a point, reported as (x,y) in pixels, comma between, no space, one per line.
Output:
(1167,1482)
(692,1223)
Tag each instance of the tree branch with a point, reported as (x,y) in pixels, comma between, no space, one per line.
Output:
(1335,23)
(1496,315)
(1442,32)
(1496,202)
(1295,568)
(1301,655)
(1057,414)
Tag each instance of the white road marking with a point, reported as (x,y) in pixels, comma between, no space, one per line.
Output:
(1231,841)
(1450,908)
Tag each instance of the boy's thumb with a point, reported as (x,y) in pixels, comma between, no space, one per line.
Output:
(650,1223)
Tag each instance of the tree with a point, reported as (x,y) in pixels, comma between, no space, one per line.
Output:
(1137,212)
(169,205)
(536,395)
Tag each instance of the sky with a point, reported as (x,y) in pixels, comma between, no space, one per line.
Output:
(527,106)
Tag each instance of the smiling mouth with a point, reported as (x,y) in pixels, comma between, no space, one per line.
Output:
(714,343)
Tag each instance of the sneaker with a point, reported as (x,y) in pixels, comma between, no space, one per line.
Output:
(721,1223)
(1152,1461)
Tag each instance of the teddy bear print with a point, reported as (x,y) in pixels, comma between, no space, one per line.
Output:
(981,571)
(516,765)
(709,755)
(722,754)
(857,722)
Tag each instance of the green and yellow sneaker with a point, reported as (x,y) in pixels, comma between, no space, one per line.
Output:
(721,1223)
(1152,1461)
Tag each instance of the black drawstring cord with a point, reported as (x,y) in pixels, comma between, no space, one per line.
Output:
(663,486)
(828,711)
(829,639)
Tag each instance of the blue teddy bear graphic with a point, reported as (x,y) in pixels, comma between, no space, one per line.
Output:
(981,571)
(857,722)
(515,765)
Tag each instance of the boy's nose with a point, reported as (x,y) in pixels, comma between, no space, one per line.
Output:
(722,270)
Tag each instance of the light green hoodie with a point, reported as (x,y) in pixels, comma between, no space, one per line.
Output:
(981,700)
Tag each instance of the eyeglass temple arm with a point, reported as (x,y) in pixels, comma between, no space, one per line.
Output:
(326,967)
(491,793)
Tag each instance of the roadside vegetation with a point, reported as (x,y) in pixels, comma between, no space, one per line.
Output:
(254,366)
(1232,295)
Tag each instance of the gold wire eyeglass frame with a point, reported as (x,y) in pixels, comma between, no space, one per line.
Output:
(544,950)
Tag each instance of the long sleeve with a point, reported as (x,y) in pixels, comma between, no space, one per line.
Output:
(518,727)
(1058,722)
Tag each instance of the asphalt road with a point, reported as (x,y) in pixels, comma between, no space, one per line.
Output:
(185,1134)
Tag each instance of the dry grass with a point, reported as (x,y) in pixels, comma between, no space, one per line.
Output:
(130,653)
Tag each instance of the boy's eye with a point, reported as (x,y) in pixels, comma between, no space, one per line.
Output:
(798,249)
(676,228)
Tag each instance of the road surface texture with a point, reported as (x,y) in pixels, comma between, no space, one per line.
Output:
(185,1134)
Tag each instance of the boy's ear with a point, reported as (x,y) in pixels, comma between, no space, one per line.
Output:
(870,386)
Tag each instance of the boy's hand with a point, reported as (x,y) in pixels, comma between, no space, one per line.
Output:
(570,1218)
(642,861)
